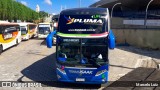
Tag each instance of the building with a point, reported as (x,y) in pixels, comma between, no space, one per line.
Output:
(132,9)
(129,6)
(134,22)
(37,8)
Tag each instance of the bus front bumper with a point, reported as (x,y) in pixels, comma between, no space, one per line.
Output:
(101,79)
(24,37)
(42,36)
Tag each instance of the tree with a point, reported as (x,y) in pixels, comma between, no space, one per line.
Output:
(12,10)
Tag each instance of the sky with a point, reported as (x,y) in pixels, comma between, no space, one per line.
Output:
(54,6)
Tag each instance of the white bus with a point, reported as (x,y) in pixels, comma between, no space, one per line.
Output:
(44,29)
(28,30)
(10,35)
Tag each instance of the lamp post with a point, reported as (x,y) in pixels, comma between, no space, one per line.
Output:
(113,8)
(145,21)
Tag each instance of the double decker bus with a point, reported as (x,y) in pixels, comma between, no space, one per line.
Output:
(10,35)
(28,30)
(44,29)
(83,38)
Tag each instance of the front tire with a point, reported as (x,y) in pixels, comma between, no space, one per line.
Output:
(1,49)
(17,42)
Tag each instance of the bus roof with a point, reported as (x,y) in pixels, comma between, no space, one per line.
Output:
(5,24)
(87,11)
(44,23)
(24,24)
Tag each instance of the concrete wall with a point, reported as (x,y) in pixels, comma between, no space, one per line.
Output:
(147,38)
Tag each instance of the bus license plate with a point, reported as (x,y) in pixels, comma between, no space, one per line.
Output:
(80,79)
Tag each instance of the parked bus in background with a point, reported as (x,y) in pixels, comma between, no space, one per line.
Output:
(44,29)
(28,30)
(83,38)
(10,35)
(55,21)
(55,26)
(32,30)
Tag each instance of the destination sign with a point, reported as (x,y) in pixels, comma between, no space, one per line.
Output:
(44,25)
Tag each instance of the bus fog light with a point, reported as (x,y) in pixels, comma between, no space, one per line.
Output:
(100,72)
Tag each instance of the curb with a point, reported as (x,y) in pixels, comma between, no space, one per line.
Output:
(146,62)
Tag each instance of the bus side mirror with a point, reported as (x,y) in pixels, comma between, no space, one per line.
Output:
(111,40)
(49,39)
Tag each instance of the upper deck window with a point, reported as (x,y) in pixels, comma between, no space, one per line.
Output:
(82,24)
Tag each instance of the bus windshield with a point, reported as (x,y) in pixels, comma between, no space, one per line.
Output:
(44,30)
(83,52)
(82,24)
(23,30)
(8,28)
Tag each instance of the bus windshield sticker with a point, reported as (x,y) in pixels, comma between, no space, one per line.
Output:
(85,20)
(82,24)
(96,16)
(82,30)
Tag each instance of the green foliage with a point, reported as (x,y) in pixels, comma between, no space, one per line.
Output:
(12,10)
(43,14)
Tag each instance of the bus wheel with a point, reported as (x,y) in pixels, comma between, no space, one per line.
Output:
(1,49)
(17,42)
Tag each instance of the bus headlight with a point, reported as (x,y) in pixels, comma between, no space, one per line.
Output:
(101,72)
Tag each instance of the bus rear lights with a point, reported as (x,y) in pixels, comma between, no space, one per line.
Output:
(101,72)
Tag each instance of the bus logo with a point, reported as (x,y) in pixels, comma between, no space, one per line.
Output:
(88,21)
(69,20)
(81,72)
